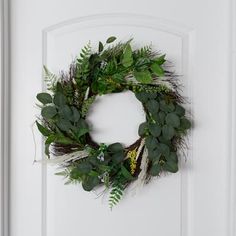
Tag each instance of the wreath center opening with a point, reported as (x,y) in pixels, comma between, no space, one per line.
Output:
(116,117)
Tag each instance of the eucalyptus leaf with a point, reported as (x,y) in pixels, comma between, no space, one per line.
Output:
(44,98)
(185,123)
(59,99)
(168,132)
(151,142)
(171,166)
(100,47)
(118,157)
(167,107)
(65,112)
(163,149)
(172,120)
(115,147)
(179,110)
(172,157)
(154,154)
(64,125)
(143,129)
(142,96)
(48,112)
(152,106)
(75,114)
(84,167)
(155,170)
(90,182)
(111,39)
(155,129)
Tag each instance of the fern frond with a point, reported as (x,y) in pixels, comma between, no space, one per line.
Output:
(116,192)
(82,62)
(50,79)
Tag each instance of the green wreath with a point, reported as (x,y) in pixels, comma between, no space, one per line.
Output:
(113,69)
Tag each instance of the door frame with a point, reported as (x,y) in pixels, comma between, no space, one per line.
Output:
(5,116)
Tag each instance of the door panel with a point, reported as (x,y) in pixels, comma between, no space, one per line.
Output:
(191,202)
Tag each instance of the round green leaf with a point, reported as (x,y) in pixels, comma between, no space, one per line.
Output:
(115,147)
(118,157)
(111,39)
(155,129)
(171,166)
(167,107)
(168,132)
(151,142)
(59,99)
(152,106)
(172,157)
(48,112)
(142,96)
(84,167)
(155,170)
(172,120)
(143,128)
(179,110)
(90,182)
(185,123)
(64,124)
(44,98)
(163,149)
(65,112)
(154,154)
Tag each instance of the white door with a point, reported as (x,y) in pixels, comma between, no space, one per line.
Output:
(197,38)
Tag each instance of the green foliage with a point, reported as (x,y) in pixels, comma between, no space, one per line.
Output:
(112,68)
(50,79)
(117,191)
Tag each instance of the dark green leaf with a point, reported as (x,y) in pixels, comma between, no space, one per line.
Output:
(152,106)
(179,110)
(163,149)
(100,47)
(90,182)
(43,130)
(59,99)
(75,114)
(126,173)
(172,157)
(143,76)
(157,69)
(172,120)
(127,59)
(44,98)
(84,167)
(118,157)
(167,107)
(154,154)
(143,128)
(111,39)
(185,123)
(64,125)
(48,112)
(171,166)
(168,132)
(151,142)
(115,147)
(65,112)
(155,129)
(160,117)
(142,96)
(155,170)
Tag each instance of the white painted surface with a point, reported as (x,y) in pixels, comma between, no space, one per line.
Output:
(116,118)
(196,39)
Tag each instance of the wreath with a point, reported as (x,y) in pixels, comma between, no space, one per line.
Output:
(113,68)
